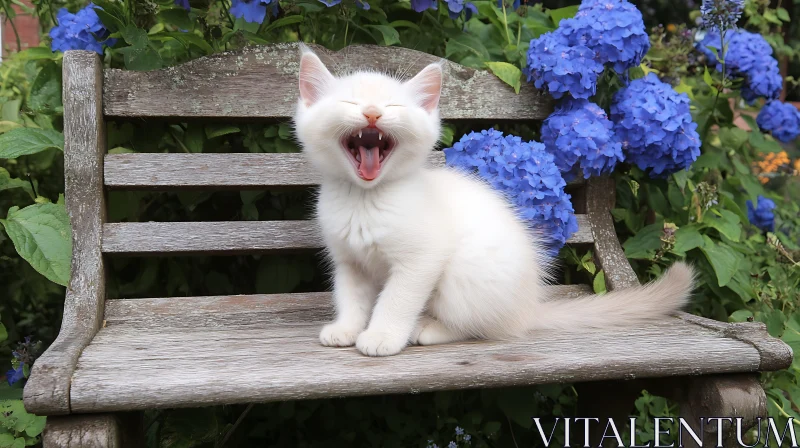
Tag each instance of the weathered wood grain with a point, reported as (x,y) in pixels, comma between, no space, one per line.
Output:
(231,237)
(235,171)
(261,82)
(600,197)
(728,396)
(156,353)
(47,390)
(214,171)
(83,431)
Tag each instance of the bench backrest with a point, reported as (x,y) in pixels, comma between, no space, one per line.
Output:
(254,83)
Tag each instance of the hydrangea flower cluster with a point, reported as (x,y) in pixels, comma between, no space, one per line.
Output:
(456,7)
(749,56)
(761,215)
(514,4)
(581,139)
(254,11)
(15,375)
(721,14)
(526,173)
(655,127)
(614,29)
(80,31)
(422,5)
(571,58)
(560,68)
(781,119)
(183,4)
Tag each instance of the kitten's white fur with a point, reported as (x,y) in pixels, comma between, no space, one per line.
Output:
(429,255)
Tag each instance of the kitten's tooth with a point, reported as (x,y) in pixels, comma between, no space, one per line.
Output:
(380,135)
(359,134)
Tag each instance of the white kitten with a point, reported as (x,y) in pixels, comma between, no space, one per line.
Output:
(429,255)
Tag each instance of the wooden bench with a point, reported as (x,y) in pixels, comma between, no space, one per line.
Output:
(116,356)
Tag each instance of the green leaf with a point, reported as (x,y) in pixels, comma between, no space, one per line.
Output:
(36,53)
(733,138)
(8,441)
(727,223)
(644,244)
(191,39)
(722,258)
(686,239)
(783,15)
(740,316)
(466,44)
(390,35)
(404,24)
(285,21)
(277,275)
(507,73)
(218,130)
(599,283)
(3,332)
(8,183)
(42,236)
(45,93)
(140,55)
(176,16)
(563,13)
(25,141)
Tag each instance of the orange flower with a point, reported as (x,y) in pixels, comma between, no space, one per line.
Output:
(671,27)
(771,162)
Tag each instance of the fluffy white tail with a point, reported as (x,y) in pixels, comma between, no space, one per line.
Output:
(659,298)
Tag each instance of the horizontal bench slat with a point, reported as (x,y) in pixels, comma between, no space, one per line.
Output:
(232,237)
(229,171)
(261,82)
(214,171)
(277,338)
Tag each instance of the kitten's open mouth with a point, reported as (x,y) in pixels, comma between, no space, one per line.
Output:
(368,149)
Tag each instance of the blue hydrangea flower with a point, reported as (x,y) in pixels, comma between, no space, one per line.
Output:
(183,4)
(452,445)
(781,119)
(15,375)
(721,14)
(761,215)
(748,56)
(655,127)
(560,68)
(80,31)
(422,5)
(459,430)
(362,4)
(254,11)
(330,3)
(613,29)
(581,139)
(456,7)
(526,173)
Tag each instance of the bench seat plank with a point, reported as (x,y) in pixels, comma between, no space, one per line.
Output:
(232,237)
(174,352)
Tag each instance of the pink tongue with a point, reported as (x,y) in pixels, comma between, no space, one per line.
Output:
(370,165)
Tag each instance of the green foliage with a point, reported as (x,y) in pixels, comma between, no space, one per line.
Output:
(699,215)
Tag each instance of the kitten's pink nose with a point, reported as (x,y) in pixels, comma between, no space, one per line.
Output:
(372,113)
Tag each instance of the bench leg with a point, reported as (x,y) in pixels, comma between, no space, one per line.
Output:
(604,400)
(121,430)
(735,395)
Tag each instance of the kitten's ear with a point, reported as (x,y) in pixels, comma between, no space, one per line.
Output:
(314,77)
(428,84)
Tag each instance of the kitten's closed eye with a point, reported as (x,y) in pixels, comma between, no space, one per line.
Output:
(394,105)
(350,102)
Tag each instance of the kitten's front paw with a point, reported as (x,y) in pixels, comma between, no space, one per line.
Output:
(338,335)
(375,343)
